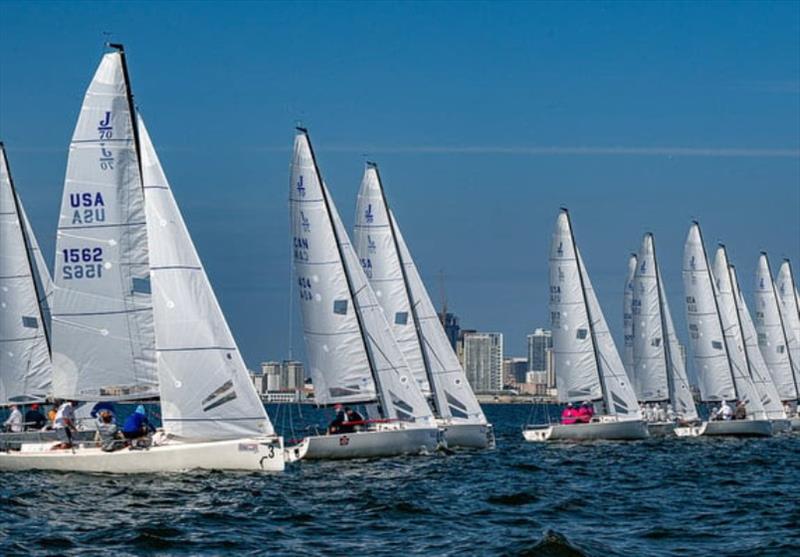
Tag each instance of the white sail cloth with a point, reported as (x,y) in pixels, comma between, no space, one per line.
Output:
(427,345)
(206,391)
(627,325)
(353,356)
(789,306)
(103,336)
(659,369)
(759,372)
(734,340)
(772,334)
(25,368)
(587,363)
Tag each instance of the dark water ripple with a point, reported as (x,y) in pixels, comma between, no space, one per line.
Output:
(654,497)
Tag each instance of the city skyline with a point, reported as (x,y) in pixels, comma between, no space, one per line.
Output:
(482,131)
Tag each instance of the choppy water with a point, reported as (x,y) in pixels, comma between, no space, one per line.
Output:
(655,497)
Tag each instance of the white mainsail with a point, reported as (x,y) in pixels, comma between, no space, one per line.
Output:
(206,391)
(705,328)
(103,337)
(374,242)
(382,250)
(627,324)
(734,339)
(588,366)
(25,367)
(660,371)
(790,312)
(353,356)
(772,334)
(759,372)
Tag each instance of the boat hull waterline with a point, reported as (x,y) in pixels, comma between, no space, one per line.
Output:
(739,428)
(254,454)
(366,444)
(468,436)
(629,430)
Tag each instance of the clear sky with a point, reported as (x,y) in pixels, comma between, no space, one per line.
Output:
(484,118)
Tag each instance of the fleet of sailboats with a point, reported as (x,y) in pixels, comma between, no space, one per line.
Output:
(131,316)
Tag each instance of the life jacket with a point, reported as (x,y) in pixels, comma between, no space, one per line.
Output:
(568,416)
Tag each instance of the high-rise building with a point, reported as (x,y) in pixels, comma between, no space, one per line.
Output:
(482,355)
(451,327)
(286,376)
(539,342)
(514,370)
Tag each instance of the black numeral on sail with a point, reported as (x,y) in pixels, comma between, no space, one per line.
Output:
(80,263)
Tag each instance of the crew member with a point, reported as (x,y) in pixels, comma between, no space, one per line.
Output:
(569,416)
(14,421)
(34,419)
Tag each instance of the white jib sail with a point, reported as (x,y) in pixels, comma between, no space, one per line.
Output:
(583,348)
(374,243)
(452,393)
(790,312)
(103,338)
(682,398)
(41,273)
(349,343)
(734,339)
(771,332)
(206,391)
(705,330)
(762,380)
(649,347)
(25,368)
(627,325)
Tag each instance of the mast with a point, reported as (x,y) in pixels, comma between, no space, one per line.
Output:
(588,313)
(353,297)
(131,107)
(411,303)
(738,314)
(780,317)
(664,330)
(716,306)
(26,241)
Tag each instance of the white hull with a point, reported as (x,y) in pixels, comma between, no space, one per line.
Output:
(366,444)
(795,423)
(661,429)
(15,440)
(739,428)
(610,430)
(262,454)
(469,436)
(690,430)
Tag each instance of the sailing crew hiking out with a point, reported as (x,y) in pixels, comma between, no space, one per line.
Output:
(580,415)
(347,420)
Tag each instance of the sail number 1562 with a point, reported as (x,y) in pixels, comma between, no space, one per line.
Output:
(80,263)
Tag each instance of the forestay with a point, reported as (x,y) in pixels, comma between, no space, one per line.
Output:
(771,333)
(740,367)
(206,391)
(103,338)
(759,372)
(352,353)
(627,324)
(25,368)
(374,243)
(415,312)
(705,329)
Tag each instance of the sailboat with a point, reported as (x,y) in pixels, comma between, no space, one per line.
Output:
(353,355)
(715,339)
(790,308)
(587,364)
(394,277)
(627,320)
(212,416)
(773,339)
(659,375)
(759,372)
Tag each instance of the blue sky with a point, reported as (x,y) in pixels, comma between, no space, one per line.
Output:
(484,118)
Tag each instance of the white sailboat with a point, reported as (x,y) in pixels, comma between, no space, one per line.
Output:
(352,353)
(25,366)
(627,320)
(790,309)
(759,372)
(394,277)
(773,339)
(587,364)
(659,375)
(716,342)
(212,416)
